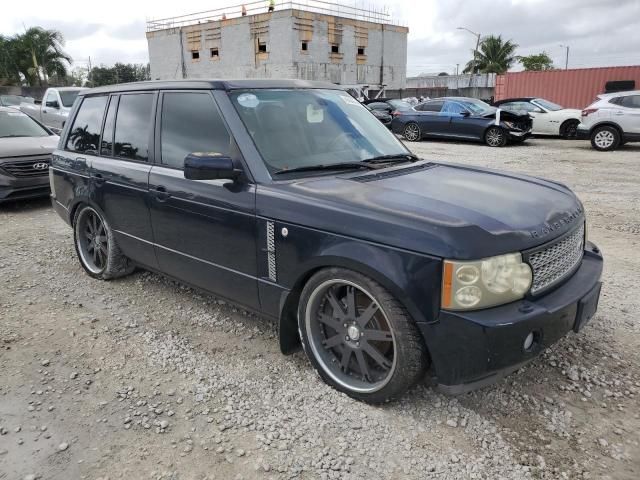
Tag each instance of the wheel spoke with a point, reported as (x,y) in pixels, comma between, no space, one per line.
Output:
(378,335)
(344,361)
(367,315)
(338,310)
(94,254)
(362,363)
(376,356)
(351,302)
(333,341)
(331,322)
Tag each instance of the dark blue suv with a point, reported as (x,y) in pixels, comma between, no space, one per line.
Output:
(291,199)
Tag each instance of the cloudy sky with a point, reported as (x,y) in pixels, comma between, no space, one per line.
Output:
(598,32)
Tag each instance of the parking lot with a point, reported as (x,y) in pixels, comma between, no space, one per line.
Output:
(144,378)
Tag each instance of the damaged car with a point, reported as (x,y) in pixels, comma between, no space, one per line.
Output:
(464,119)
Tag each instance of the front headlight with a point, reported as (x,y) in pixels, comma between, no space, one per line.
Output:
(471,285)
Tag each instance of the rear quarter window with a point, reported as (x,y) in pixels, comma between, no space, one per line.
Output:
(84,135)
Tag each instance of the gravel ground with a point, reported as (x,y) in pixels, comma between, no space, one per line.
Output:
(144,378)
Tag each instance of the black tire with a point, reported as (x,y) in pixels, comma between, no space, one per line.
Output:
(605,138)
(98,252)
(386,338)
(569,129)
(412,132)
(495,137)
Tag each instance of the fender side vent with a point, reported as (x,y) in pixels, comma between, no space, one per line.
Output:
(372,177)
(271,252)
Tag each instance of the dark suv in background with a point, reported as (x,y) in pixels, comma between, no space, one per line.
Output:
(290,198)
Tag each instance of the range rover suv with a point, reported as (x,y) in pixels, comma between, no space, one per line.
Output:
(291,199)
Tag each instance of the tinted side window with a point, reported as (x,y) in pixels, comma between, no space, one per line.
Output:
(106,148)
(133,124)
(432,106)
(632,101)
(453,107)
(51,97)
(191,123)
(85,132)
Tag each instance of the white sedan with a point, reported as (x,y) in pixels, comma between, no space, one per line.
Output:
(548,117)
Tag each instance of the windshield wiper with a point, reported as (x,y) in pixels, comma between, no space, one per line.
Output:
(397,157)
(329,166)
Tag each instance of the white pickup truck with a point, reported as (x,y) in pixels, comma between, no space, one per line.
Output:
(54,108)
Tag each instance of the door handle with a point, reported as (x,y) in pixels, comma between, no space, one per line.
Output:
(161,193)
(618,113)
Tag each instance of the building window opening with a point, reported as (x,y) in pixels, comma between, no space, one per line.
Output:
(335,48)
(262,47)
(305,46)
(360,50)
(195,55)
(215,53)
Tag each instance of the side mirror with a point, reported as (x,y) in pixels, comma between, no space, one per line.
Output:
(466,113)
(209,166)
(53,104)
(537,110)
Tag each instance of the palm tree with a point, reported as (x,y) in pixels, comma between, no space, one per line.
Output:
(493,56)
(45,49)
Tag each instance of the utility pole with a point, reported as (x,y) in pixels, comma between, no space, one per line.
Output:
(566,58)
(89,73)
(475,52)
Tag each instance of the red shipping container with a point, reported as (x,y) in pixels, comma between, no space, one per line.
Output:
(574,88)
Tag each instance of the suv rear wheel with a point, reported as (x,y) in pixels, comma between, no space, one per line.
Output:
(358,336)
(605,138)
(97,250)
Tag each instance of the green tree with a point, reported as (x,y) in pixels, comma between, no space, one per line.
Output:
(119,73)
(540,61)
(494,55)
(35,57)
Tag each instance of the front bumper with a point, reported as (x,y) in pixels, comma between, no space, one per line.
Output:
(12,188)
(472,349)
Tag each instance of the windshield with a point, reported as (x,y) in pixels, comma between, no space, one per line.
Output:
(68,96)
(546,104)
(18,124)
(303,128)
(11,100)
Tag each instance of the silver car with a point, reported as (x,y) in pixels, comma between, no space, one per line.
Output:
(25,153)
(612,120)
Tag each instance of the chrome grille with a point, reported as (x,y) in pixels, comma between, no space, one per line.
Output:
(556,260)
(271,252)
(24,167)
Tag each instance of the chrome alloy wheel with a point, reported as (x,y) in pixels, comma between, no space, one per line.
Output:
(350,336)
(93,243)
(411,132)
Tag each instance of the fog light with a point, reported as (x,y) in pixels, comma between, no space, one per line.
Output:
(528,341)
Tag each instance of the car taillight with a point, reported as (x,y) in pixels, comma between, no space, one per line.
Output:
(588,111)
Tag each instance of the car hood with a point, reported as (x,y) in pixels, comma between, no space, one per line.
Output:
(445,210)
(22,146)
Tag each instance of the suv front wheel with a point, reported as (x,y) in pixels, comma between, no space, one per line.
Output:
(605,138)
(96,247)
(358,336)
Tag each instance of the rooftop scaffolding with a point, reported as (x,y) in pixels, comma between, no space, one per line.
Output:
(371,14)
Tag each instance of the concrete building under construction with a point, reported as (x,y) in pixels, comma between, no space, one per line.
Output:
(314,40)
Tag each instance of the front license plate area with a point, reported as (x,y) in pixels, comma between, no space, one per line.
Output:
(587,307)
